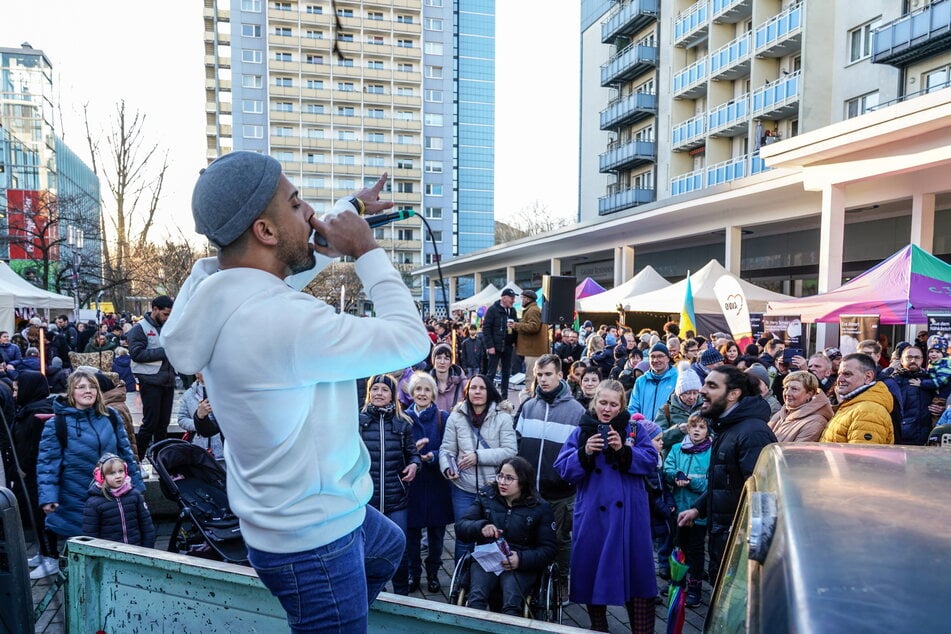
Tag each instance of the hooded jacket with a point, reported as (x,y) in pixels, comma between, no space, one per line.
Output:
(864,418)
(543,428)
(804,423)
(460,436)
(670,416)
(33,409)
(124,519)
(651,391)
(298,473)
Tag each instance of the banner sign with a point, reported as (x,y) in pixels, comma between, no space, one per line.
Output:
(786,328)
(854,329)
(737,312)
(939,324)
(756,325)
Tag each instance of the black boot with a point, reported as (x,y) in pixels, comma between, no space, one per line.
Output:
(599,617)
(694,588)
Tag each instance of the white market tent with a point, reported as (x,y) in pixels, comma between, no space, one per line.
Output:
(646,281)
(16,291)
(479,299)
(671,299)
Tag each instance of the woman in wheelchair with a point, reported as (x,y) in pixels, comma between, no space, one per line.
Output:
(510,508)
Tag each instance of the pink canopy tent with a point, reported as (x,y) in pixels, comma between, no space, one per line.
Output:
(902,289)
(587,288)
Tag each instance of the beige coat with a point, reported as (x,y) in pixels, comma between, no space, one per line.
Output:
(532,338)
(804,423)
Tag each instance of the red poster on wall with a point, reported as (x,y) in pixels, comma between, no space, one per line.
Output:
(29,224)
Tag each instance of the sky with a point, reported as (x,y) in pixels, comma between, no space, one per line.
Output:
(152,56)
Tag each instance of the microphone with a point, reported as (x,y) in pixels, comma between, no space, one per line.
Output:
(378,220)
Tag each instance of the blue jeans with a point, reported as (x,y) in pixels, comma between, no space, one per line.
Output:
(461,501)
(330,588)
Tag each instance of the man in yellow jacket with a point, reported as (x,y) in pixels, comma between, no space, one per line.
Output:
(532,340)
(864,415)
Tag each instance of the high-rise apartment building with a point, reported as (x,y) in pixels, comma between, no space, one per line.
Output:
(340,92)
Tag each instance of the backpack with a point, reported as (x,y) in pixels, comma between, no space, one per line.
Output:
(61,427)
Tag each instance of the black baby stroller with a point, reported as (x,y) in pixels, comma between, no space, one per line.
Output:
(193,479)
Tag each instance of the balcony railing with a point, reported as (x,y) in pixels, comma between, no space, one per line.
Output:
(630,17)
(723,172)
(685,183)
(780,95)
(733,114)
(731,55)
(629,63)
(689,131)
(628,155)
(913,36)
(770,37)
(691,76)
(629,109)
(731,11)
(689,24)
(624,200)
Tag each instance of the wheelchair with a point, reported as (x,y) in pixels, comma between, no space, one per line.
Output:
(542,602)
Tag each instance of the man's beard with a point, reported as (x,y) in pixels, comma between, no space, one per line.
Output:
(713,409)
(297,258)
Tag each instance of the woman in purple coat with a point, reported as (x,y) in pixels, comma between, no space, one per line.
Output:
(612,557)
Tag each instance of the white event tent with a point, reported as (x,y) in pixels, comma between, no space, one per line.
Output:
(486,297)
(646,281)
(16,291)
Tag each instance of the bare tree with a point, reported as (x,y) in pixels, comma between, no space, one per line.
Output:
(329,282)
(133,171)
(530,221)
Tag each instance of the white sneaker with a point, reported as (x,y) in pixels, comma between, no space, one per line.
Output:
(48,567)
(35,560)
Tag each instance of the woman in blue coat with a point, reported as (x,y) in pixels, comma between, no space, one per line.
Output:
(430,494)
(63,470)
(612,558)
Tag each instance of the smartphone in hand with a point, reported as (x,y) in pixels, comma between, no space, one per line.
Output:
(604,430)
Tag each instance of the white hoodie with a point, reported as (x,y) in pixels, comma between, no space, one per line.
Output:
(280,368)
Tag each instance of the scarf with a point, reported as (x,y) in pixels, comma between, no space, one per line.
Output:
(122,489)
(387,410)
(688,447)
(548,397)
(856,391)
(476,420)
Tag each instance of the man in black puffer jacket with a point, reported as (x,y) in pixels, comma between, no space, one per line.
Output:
(913,389)
(739,416)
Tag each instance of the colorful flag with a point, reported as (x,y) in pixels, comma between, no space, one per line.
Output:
(688,319)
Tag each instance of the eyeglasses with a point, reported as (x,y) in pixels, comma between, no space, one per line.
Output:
(506,478)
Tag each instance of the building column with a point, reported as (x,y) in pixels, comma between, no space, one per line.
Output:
(432,296)
(623,264)
(453,289)
(922,236)
(831,245)
(509,274)
(731,254)
(476,283)
(554,266)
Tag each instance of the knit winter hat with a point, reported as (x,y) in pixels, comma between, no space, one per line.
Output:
(442,349)
(759,371)
(653,429)
(385,379)
(711,356)
(231,192)
(659,347)
(687,379)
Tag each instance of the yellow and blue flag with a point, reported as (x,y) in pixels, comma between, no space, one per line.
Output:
(688,319)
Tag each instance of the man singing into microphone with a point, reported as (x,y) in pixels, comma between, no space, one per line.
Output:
(298,473)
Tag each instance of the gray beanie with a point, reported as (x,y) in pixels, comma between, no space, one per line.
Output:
(231,193)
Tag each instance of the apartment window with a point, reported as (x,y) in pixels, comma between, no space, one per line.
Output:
(314,59)
(404,43)
(433,24)
(375,64)
(405,235)
(283,82)
(434,167)
(404,164)
(346,159)
(344,37)
(314,35)
(647,87)
(374,160)
(315,182)
(375,137)
(315,159)
(345,86)
(345,13)
(314,9)
(252,131)
(282,31)
(860,41)
(344,61)
(432,258)
(645,134)
(404,19)
(433,3)
(861,105)
(252,6)
(314,108)
(434,189)
(374,89)
(315,84)
(433,213)
(251,57)
(405,91)
(644,180)
(284,106)
(375,40)
(434,48)
(375,113)
(404,67)
(282,57)
(346,135)
(404,188)
(281,6)
(315,133)
(433,119)
(283,131)
(346,183)
(374,15)
(434,143)
(284,157)
(437,236)
(345,111)
(379,234)
(434,72)
(935,79)
(252,81)
(404,115)
(405,139)
(252,106)
(251,30)
(434,96)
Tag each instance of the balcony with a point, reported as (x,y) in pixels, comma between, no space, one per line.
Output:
(780,35)
(634,60)
(733,60)
(691,82)
(625,200)
(689,134)
(690,27)
(779,99)
(627,155)
(627,110)
(730,119)
(914,36)
(731,11)
(685,183)
(734,168)
(629,18)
